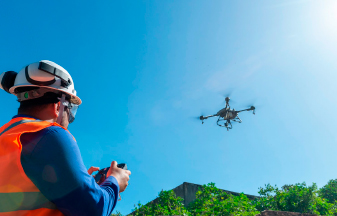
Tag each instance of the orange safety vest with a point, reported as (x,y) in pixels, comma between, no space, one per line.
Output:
(18,194)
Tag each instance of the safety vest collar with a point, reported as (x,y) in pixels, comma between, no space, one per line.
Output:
(16,124)
(23,116)
(18,120)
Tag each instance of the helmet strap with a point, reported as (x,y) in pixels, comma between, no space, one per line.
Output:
(61,110)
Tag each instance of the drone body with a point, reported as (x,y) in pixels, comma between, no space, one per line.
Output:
(227,115)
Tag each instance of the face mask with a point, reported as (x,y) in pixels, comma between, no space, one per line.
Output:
(72,108)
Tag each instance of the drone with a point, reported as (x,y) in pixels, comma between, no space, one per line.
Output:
(226,115)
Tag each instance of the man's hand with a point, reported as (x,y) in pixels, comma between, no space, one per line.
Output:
(121,175)
(92,169)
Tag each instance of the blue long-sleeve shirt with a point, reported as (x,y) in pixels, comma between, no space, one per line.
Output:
(52,160)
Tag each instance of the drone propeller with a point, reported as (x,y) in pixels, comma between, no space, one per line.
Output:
(194,118)
(252,108)
(253,104)
(202,119)
(198,118)
(227,93)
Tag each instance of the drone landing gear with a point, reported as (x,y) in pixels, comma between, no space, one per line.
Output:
(227,124)
(237,119)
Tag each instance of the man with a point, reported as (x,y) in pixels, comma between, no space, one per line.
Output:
(42,172)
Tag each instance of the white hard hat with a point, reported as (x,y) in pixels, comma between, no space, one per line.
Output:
(47,75)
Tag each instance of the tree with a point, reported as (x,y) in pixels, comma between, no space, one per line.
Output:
(117,214)
(294,198)
(166,204)
(213,201)
(329,191)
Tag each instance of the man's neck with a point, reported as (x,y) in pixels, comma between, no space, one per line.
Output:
(40,116)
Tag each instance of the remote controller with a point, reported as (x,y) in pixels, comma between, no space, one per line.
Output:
(101,175)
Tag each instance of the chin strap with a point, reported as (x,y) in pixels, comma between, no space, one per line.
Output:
(61,110)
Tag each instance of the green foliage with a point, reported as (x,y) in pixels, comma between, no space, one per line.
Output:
(329,191)
(117,214)
(167,204)
(210,201)
(294,198)
(213,201)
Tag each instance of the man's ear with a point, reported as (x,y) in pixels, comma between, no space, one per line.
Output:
(56,108)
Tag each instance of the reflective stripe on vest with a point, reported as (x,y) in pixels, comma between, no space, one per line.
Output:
(16,124)
(18,194)
(24,201)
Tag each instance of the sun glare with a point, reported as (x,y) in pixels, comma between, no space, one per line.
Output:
(325,20)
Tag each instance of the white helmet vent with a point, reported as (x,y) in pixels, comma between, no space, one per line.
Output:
(43,78)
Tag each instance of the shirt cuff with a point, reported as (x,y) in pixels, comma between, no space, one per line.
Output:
(111,181)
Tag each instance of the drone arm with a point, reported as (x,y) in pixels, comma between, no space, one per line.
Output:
(206,117)
(249,109)
(202,118)
(244,110)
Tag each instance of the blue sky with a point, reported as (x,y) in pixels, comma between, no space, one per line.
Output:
(144,69)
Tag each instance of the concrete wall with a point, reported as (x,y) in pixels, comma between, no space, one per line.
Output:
(187,191)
